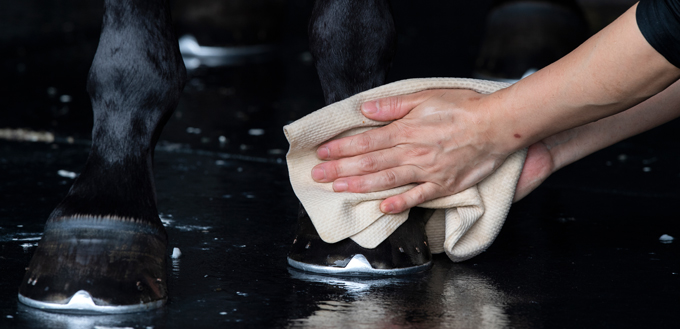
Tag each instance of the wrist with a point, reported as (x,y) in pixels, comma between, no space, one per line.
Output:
(505,133)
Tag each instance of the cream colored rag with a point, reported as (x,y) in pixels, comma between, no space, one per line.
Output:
(464,224)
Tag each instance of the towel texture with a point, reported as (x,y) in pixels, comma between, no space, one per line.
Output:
(464,224)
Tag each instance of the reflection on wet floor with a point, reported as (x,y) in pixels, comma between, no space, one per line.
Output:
(461,298)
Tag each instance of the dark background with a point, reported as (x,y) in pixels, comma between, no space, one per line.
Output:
(582,250)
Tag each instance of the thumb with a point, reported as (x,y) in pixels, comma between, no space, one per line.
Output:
(392,108)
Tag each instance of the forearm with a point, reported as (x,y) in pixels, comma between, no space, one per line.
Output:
(574,144)
(612,71)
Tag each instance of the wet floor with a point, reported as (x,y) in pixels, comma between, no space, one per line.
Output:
(583,250)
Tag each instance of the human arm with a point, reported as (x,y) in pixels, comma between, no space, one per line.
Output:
(555,152)
(448,140)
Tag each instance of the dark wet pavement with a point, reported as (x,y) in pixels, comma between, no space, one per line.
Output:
(583,250)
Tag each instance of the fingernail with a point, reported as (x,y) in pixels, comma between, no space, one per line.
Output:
(323,152)
(318,174)
(340,186)
(388,208)
(370,107)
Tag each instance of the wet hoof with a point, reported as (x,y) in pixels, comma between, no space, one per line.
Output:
(404,252)
(92,264)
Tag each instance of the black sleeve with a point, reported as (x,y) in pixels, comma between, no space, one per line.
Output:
(659,22)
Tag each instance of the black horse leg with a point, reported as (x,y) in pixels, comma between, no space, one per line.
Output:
(104,244)
(353,42)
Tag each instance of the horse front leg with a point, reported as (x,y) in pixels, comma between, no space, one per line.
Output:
(352,43)
(104,247)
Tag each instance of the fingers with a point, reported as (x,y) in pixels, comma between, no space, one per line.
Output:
(385,109)
(380,181)
(370,163)
(538,165)
(393,108)
(409,199)
(372,140)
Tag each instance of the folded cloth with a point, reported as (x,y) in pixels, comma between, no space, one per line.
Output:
(464,224)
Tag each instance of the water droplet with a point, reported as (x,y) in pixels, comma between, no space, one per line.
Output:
(65,98)
(256,132)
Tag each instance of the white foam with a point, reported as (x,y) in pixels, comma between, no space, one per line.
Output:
(193,130)
(666,238)
(189,228)
(176,254)
(28,245)
(166,219)
(67,174)
(256,132)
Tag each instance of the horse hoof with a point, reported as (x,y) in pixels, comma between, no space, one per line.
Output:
(90,264)
(403,252)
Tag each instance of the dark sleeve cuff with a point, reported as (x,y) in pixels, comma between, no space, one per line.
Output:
(659,22)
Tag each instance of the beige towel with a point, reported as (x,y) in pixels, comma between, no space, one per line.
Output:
(463,225)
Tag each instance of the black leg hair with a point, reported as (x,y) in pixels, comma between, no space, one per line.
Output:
(135,82)
(352,43)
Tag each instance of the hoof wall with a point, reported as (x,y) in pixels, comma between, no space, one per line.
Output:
(97,265)
(404,252)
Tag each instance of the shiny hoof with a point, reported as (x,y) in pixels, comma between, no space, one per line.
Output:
(357,266)
(96,265)
(404,252)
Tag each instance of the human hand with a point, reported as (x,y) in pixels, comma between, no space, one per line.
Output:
(441,139)
(538,165)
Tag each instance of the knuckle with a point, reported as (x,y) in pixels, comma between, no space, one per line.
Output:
(390,178)
(403,132)
(395,103)
(434,167)
(419,196)
(385,103)
(363,143)
(399,203)
(450,184)
(413,174)
(357,185)
(333,150)
(417,151)
(333,170)
(368,164)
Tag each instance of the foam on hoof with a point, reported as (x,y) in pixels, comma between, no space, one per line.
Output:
(404,252)
(89,264)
